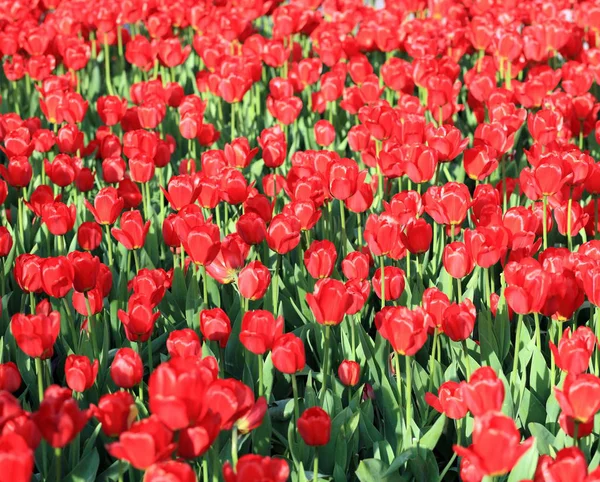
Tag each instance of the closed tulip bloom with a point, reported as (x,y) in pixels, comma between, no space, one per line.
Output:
(491,431)
(145,443)
(139,319)
(324,133)
(405,329)
(259,331)
(203,243)
(394,282)
(6,242)
(382,233)
(283,233)
(107,206)
(89,236)
(36,334)
(184,343)
(176,390)
(127,368)
(85,270)
(359,291)
(484,392)
(314,426)
(487,244)
(80,373)
(257,467)
(356,265)
(458,320)
(448,401)
(457,260)
(575,350)
(343,178)
(435,303)
(320,258)
(133,231)
(170,470)
(251,228)
(288,354)
(16,457)
(58,217)
(57,276)
(568,424)
(141,168)
(18,173)
(329,302)
(28,272)
(115,412)
(349,373)
(215,326)
(254,280)
(527,286)
(417,236)
(59,418)
(580,397)
(10,378)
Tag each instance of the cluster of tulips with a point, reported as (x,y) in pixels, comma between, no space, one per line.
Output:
(267,240)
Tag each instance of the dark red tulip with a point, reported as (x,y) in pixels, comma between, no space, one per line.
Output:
(314,426)
(215,326)
(80,373)
(319,259)
(89,236)
(394,282)
(10,378)
(349,373)
(458,320)
(57,276)
(288,354)
(116,412)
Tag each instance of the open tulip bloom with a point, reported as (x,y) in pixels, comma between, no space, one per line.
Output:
(299,240)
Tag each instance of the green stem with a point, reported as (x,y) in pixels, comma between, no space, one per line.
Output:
(108,80)
(233,121)
(92,326)
(408,394)
(234,447)
(40,379)
(382,283)
(325,363)
(150,360)
(275,282)
(466,355)
(538,337)
(296,399)
(109,245)
(569,237)
(513,374)
(121,469)
(353,323)
(58,456)
(398,378)
(204,286)
(316,465)
(261,385)
(545,221)
(136,261)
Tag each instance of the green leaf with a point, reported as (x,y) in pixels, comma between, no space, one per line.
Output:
(86,470)
(525,467)
(431,438)
(370,470)
(544,440)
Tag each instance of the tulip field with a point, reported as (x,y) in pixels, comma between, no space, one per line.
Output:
(299,240)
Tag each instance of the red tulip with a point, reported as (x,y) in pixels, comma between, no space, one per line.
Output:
(448,401)
(59,418)
(28,272)
(314,426)
(253,280)
(406,330)
(16,457)
(580,397)
(458,320)
(58,217)
(215,326)
(260,330)
(184,343)
(36,334)
(324,133)
(107,206)
(484,392)
(491,431)
(116,412)
(85,270)
(127,368)
(177,389)
(288,354)
(10,378)
(256,467)
(89,236)
(320,258)
(133,231)
(417,236)
(575,350)
(57,276)
(527,286)
(138,320)
(349,373)
(394,282)
(170,470)
(145,443)
(356,265)
(329,301)
(283,233)
(80,373)
(457,261)
(203,243)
